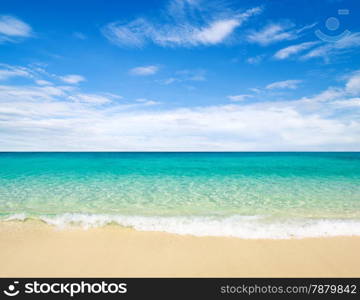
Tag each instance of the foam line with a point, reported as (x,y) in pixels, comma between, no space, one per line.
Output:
(248,227)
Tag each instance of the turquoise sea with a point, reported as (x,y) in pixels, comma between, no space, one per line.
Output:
(248,195)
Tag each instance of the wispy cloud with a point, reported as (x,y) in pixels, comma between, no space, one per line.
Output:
(72,78)
(285,84)
(42,82)
(273,33)
(353,84)
(144,71)
(45,90)
(237,98)
(321,49)
(8,71)
(216,32)
(90,98)
(147,102)
(31,93)
(38,74)
(185,24)
(254,60)
(337,47)
(169,80)
(294,49)
(184,76)
(277,32)
(13,29)
(343,94)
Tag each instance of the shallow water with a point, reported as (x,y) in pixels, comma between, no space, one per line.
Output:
(268,195)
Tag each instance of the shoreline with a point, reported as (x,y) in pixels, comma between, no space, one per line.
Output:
(35,249)
(233,226)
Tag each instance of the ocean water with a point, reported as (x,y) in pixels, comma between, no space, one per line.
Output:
(247,195)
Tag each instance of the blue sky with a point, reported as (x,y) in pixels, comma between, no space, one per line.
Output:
(180,75)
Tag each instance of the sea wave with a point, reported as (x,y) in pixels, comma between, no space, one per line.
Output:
(247,227)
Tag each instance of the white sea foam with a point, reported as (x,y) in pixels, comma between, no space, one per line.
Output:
(248,227)
(16,217)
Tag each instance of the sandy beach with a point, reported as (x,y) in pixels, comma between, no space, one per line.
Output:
(34,249)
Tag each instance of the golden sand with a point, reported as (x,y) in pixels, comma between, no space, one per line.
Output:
(34,249)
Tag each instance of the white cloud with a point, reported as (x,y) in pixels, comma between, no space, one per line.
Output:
(34,117)
(277,32)
(294,49)
(8,71)
(255,90)
(337,47)
(147,102)
(90,98)
(31,93)
(216,32)
(169,80)
(348,41)
(273,33)
(286,84)
(327,95)
(352,103)
(59,125)
(341,96)
(12,26)
(37,74)
(237,98)
(72,78)
(11,29)
(185,76)
(6,74)
(144,71)
(255,59)
(43,82)
(185,24)
(353,84)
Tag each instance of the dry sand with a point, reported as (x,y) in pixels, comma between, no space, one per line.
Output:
(33,249)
